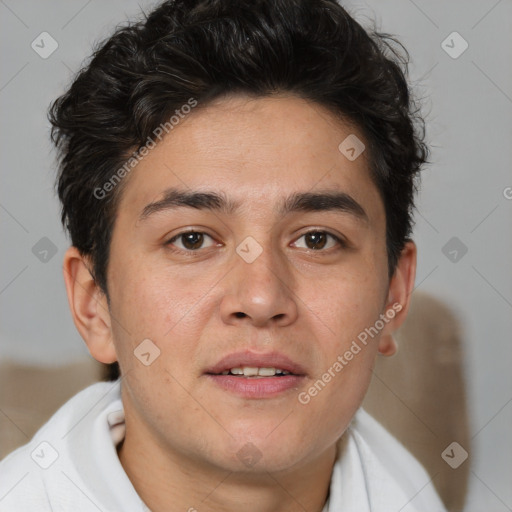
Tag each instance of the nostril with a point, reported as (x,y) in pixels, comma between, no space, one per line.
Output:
(239,314)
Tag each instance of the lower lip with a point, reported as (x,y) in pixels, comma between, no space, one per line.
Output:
(262,387)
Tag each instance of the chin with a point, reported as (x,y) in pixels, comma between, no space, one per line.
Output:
(262,449)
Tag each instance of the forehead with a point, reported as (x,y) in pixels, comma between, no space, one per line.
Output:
(255,150)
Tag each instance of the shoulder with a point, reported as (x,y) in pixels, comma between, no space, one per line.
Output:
(25,472)
(391,472)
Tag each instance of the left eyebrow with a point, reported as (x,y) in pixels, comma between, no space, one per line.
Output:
(324,201)
(296,202)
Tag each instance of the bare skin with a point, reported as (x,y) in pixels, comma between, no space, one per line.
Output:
(306,296)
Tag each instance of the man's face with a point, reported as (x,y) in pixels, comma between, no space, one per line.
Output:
(249,287)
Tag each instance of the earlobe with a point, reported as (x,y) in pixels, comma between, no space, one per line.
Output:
(89,307)
(399,297)
(387,345)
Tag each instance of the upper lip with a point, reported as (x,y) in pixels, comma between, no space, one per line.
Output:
(252,359)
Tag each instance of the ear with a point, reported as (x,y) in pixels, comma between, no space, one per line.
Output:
(399,297)
(89,307)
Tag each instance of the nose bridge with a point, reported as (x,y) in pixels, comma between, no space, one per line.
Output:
(261,285)
(264,270)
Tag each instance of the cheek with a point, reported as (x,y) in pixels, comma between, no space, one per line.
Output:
(337,390)
(151,302)
(346,303)
(149,297)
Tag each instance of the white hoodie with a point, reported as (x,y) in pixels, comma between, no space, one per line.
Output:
(71,465)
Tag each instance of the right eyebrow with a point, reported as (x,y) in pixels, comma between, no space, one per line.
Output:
(174,198)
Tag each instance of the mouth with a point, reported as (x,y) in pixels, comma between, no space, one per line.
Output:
(254,372)
(251,375)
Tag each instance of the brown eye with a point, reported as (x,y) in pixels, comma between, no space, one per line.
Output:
(318,240)
(190,241)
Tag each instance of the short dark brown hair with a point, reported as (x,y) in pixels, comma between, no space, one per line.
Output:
(204,49)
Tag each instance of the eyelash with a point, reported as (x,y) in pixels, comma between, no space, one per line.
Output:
(342,244)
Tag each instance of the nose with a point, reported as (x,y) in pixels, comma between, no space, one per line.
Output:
(259,293)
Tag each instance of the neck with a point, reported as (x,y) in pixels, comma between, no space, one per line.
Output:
(163,477)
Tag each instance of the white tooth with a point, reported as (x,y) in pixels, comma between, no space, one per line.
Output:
(267,372)
(237,371)
(285,372)
(250,371)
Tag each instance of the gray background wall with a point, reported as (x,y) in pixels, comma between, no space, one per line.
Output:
(467,192)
